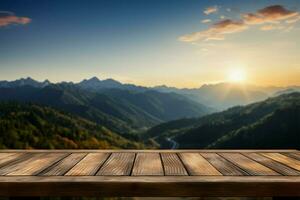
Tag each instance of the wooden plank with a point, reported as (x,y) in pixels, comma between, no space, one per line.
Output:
(295,155)
(223,165)
(5,155)
(6,158)
(155,186)
(173,165)
(64,165)
(276,166)
(118,164)
(147,164)
(25,159)
(248,164)
(36,164)
(89,165)
(291,162)
(197,165)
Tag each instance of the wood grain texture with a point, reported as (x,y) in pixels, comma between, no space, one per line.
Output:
(5,155)
(248,165)
(154,186)
(293,155)
(173,165)
(64,165)
(158,173)
(291,162)
(24,159)
(147,164)
(89,165)
(118,164)
(197,165)
(223,165)
(36,165)
(6,158)
(276,166)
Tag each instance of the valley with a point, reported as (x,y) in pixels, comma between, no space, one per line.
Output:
(142,117)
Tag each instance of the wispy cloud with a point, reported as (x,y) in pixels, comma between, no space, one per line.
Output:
(269,17)
(293,20)
(204,21)
(216,32)
(271,14)
(269,27)
(210,10)
(7,18)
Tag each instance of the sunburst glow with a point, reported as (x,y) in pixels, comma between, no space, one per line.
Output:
(237,75)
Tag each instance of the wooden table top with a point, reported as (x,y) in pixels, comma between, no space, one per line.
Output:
(149,173)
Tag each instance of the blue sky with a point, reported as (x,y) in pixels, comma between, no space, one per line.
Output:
(137,41)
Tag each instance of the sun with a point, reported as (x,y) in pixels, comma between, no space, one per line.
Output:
(237,76)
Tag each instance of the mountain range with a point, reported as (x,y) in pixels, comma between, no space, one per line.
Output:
(122,110)
(218,96)
(110,114)
(272,123)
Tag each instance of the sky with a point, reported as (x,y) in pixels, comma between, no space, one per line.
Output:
(183,43)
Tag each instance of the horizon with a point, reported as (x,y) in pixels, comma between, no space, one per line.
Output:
(183,44)
(153,86)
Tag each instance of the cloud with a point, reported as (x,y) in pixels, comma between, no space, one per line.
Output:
(269,17)
(293,20)
(271,14)
(7,18)
(216,32)
(269,27)
(210,10)
(204,21)
(289,28)
(229,26)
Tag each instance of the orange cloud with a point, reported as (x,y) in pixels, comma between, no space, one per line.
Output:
(216,32)
(7,18)
(274,13)
(210,10)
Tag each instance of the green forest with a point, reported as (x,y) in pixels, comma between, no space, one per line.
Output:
(35,126)
(63,116)
(273,123)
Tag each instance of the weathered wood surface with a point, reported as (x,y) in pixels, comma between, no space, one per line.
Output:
(149,173)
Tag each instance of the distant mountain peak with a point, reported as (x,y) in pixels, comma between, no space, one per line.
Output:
(95,78)
(110,80)
(28,78)
(46,81)
(28,81)
(95,83)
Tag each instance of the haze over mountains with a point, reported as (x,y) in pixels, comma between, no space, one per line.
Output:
(273,123)
(217,96)
(115,115)
(122,109)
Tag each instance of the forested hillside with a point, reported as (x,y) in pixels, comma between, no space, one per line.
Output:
(123,111)
(36,126)
(273,123)
(90,115)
